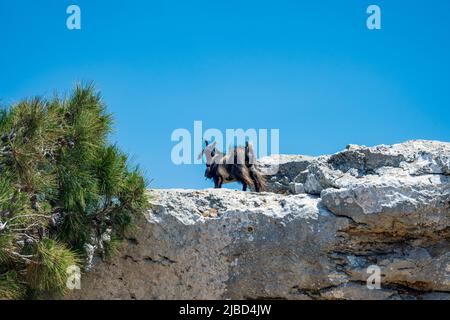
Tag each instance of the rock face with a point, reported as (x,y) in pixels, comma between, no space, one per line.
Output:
(334,222)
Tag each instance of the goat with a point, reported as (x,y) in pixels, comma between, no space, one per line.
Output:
(236,165)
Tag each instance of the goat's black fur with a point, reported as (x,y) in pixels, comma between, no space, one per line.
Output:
(237,165)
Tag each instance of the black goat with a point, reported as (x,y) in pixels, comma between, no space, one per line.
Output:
(236,165)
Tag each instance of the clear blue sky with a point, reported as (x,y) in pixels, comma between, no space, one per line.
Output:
(310,68)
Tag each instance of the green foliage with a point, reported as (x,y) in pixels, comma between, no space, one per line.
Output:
(62,187)
(112,247)
(11,287)
(47,272)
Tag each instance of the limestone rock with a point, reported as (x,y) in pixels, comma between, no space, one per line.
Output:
(412,158)
(385,207)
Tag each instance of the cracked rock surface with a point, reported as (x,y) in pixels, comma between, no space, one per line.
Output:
(325,222)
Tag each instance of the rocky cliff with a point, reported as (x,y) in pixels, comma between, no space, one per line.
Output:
(326,221)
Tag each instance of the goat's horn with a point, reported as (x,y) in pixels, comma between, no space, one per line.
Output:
(201,154)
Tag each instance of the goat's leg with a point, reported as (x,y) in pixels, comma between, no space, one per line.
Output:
(244,187)
(255,182)
(218,182)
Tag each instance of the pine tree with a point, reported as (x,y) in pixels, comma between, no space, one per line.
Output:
(66,194)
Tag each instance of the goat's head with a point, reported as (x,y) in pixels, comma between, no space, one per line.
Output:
(210,153)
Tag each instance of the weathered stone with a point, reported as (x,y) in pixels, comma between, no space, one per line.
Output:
(282,170)
(386,206)
(346,167)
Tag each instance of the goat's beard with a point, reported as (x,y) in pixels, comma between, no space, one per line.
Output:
(208,174)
